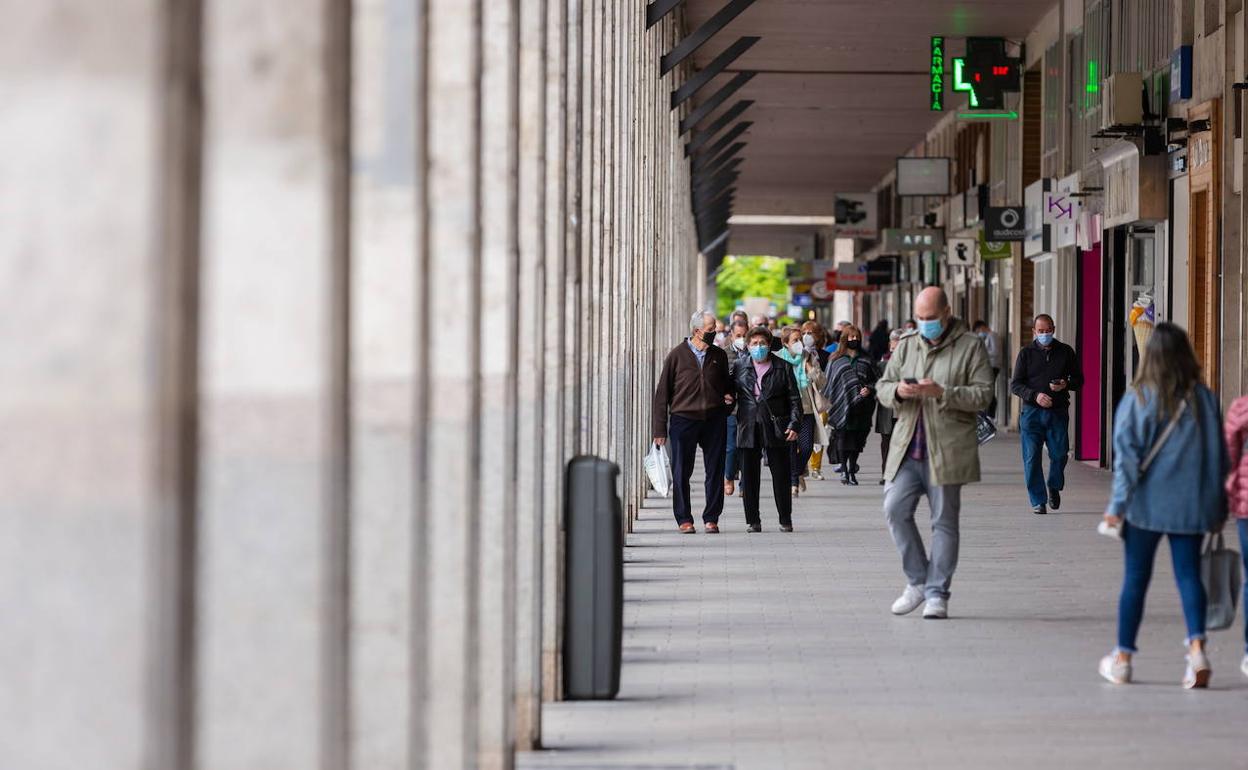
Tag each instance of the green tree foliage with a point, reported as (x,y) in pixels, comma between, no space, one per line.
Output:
(752,277)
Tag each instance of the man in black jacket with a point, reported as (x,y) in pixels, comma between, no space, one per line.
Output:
(691,403)
(1044,374)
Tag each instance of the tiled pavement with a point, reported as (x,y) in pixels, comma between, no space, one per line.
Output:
(778,651)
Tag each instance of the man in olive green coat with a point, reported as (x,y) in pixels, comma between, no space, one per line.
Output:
(936,383)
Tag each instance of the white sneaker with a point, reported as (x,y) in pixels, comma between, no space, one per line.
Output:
(1198,671)
(1114,670)
(816,476)
(909,600)
(1243,666)
(936,609)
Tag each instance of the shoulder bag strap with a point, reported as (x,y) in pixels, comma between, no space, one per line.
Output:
(1161,440)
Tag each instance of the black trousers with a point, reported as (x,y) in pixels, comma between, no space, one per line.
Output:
(686,436)
(751,480)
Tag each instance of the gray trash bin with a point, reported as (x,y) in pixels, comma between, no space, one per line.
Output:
(594,585)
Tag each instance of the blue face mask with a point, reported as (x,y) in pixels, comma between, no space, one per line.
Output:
(931,330)
(1045,339)
(759,352)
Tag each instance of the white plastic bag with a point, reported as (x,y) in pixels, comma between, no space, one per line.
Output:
(659,470)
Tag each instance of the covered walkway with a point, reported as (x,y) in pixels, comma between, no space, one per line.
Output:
(758,652)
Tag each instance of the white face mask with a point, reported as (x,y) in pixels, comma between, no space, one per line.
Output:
(796,348)
(808,340)
(719,338)
(739,343)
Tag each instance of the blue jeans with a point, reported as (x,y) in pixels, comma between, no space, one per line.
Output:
(1140,546)
(1044,427)
(730,458)
(1243,554)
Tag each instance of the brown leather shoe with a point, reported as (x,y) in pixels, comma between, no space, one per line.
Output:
(712,528)
(730,487)
(688,529)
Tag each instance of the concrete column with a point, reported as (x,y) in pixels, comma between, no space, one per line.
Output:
(384,342)
(496,319)
(563,331)
(448,418)
(532,372)
(273,610)
(82,413)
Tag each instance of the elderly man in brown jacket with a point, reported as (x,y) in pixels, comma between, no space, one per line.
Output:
(691,404)
(936,383)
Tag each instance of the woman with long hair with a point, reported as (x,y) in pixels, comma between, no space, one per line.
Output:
(805,367)
(850,388)
(1169,466)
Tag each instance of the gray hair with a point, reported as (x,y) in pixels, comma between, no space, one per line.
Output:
(699,318)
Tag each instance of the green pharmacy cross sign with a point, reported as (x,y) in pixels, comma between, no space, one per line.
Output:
(937,91)
(960,82)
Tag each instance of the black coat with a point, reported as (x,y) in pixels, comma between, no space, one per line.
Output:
(778,410)
(1036,367)
(847,376)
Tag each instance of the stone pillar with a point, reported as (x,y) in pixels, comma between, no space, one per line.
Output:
(272,579)
(493,317)
(91,342)
(448,458)
(387,326)
(532,436)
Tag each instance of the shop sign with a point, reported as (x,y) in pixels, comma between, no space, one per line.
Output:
(976,198)
(819,290)
(1181,74)
(1136,188)
(1005,223)
(882,271)
(1061,210)
(960,252)
(856,215)
(913,240)
(994,249)
(1201,152)
(937,85)
(1037,240)
(957,212)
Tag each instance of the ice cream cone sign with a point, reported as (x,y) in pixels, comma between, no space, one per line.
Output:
(1142,319)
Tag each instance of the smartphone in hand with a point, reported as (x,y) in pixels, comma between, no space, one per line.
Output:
(910,381)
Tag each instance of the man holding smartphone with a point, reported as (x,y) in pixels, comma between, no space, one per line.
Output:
(1045,373)
(936,381)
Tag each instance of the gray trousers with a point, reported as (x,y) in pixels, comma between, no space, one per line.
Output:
(901,499)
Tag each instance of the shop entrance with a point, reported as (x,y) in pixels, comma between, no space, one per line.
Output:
(1089,345)
(1204,288)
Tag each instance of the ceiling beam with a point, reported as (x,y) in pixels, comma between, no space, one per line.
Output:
(710,160)
(685,48)
(709,106)
(730,54)
(656,10)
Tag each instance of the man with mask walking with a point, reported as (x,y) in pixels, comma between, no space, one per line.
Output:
(1045,373)
(691,403)
(935,383)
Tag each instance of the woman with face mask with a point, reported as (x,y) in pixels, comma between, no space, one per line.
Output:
(805,366)
(850,388)
(768,412)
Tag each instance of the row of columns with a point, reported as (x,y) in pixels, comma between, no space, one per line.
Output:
(311,302)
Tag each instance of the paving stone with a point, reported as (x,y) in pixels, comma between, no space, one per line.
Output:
(758,652)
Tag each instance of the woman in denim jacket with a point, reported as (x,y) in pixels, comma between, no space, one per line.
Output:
(1179,496)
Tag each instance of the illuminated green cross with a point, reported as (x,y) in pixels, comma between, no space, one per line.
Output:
(960,83)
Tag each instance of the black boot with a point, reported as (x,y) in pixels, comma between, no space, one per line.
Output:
(845,475)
